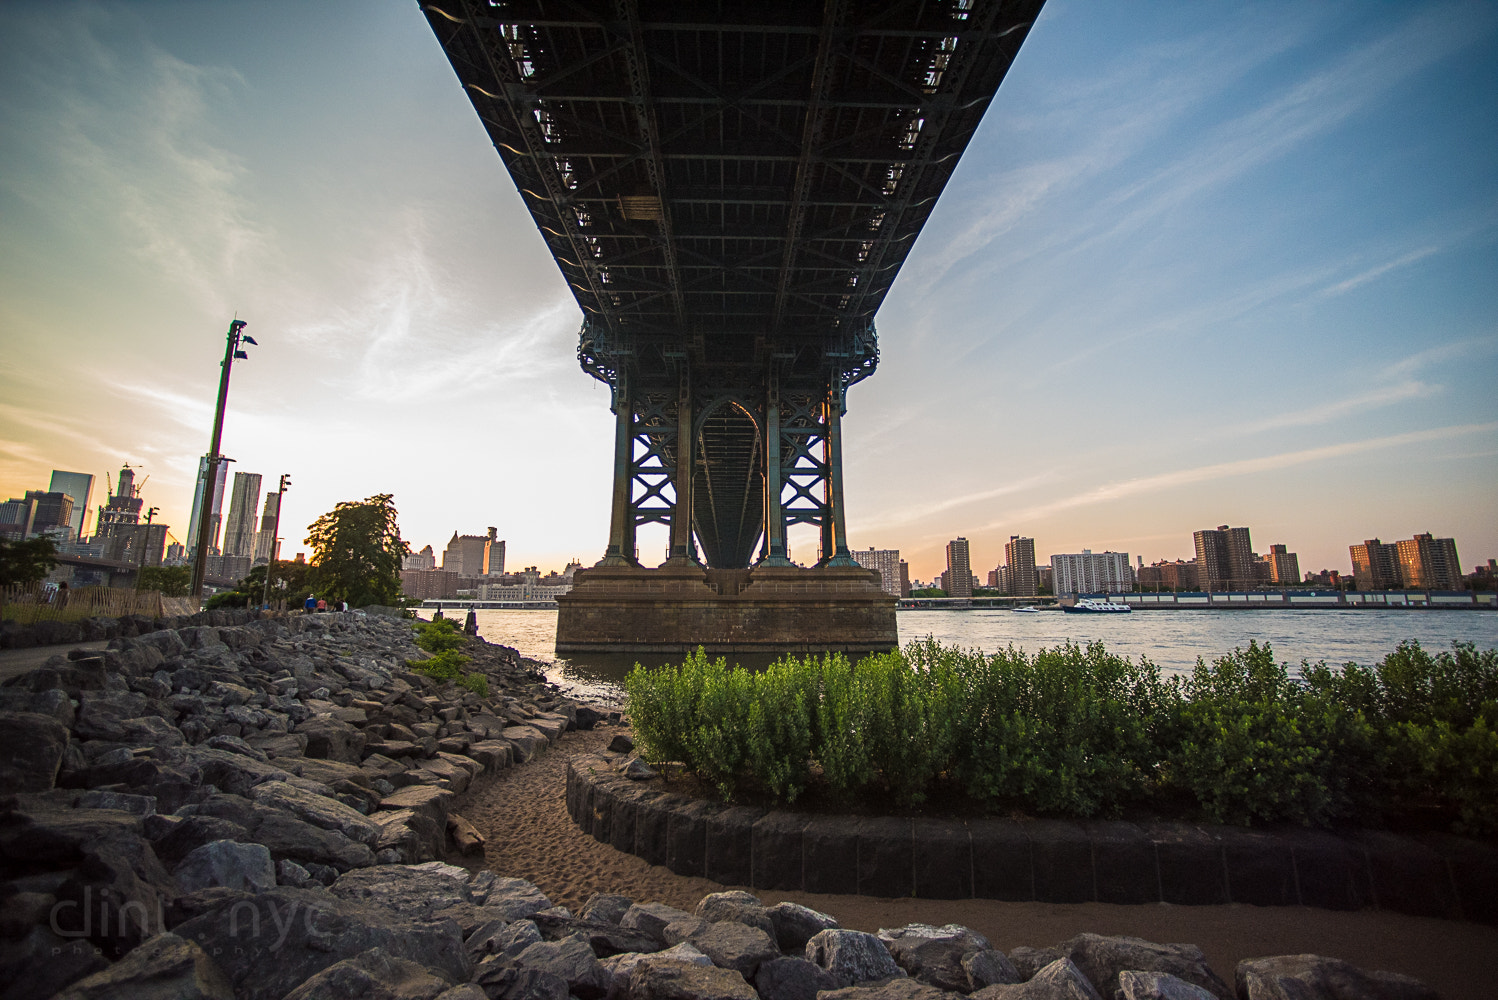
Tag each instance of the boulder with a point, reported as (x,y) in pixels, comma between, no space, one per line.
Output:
(413,890)
(192,832)
(1157,986)
(427,799)
(989,967)
(792,979)
(678,931)
(934,955)
(332,739)
(893,989)
(501,937)
(166,967)
(464,835)
(514,899)
(665,979)
(651,919)
(414,835)
(1292,977)
(318,810)
(738,906)
(1102,958)
(732,945)
(622,967)
(31,750)
(573,961)
(229,864)
(621,743)
(117,894)
(1028,961)
(1061,980)
(606,907)
(796,924)
(271,943)
(289,838)
(39,963)
(606,939)
(372,975)
(852,956)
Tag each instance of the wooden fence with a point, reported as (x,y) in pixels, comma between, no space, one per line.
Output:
(29,604)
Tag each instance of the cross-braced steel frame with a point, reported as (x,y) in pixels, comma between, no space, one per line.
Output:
(730,190)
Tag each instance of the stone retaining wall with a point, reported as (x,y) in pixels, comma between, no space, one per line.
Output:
(1050,861)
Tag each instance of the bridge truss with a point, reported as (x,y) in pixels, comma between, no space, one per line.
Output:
(729,190)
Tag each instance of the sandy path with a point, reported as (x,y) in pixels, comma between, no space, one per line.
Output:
(530,836)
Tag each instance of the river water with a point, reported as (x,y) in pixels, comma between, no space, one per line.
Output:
(1170,639)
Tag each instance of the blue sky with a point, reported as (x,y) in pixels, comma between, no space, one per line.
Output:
(1203,263)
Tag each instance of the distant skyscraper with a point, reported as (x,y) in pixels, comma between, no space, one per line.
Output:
(475,555)
(959,570)
(1019,557)
(1428,563)
(220,480)
(887,562)
(265,538)
(54,513)
(1375,565)
(1284,567)
(1224,558)
(16,518)
(79,486)
(1089,572)
(425,560)
(239,529)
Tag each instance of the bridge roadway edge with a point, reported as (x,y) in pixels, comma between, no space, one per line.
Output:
(1050,861)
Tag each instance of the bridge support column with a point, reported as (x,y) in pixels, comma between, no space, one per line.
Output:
(834,528)
(774,484)
(621,550)
(682,552)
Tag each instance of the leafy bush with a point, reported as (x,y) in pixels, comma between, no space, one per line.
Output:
(1077,731)
(439,635)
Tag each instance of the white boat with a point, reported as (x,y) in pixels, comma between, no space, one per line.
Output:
(1028,609)
(1087,606)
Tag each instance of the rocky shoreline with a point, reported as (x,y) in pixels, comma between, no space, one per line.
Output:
(260,809)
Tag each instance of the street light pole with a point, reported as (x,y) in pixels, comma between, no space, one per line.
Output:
(141,569)
(210,472)
(275,542)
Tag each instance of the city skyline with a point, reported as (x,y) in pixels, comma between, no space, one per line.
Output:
(1228,266)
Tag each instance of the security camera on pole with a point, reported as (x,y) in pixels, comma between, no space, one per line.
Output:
(210,474)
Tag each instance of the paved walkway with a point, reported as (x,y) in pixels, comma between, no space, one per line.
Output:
(18,661)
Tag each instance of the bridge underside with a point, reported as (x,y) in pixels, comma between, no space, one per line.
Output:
(730,190)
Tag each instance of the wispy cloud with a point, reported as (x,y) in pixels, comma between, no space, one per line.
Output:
(1335,409)
(925,511)
(1121,489)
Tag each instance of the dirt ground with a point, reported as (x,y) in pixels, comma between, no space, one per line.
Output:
(522,814)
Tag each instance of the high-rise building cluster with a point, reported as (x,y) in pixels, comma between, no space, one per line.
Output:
(894,572)
(1423,563)
(469,562)
(249,539)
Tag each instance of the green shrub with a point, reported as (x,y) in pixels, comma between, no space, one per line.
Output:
(780,727)
(446,665)
(439,635)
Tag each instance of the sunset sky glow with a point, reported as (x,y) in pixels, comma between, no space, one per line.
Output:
(1204,263)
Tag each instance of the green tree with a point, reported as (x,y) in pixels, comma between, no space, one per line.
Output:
(357,549)
(300,579)
(26,562)
(172,581)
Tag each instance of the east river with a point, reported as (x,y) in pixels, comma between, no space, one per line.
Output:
(1170,639)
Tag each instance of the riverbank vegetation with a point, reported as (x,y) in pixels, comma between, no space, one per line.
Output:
(1079,732)
(442,638)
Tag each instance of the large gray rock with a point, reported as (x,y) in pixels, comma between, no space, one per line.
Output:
(651,919)
(852,956)
(501,937)
(989,967)
(290,838)
(414,890)
(738,906)
(319,810)
(514,899)
(1061,980)
(1313,977)
(934,955)
(372,975)
(732,945)
(117,894)
(32,746)
(573,961)
(792,979)
(621,967)
(661,979)
(1028,961)
(164,968)
(892,989)
(414,835)
(228,864)
(1157,986)
(331,739)
(796,924)
(604,938)
(273,942)
(607,907)
(427,799)
(37,964)
(1102,958)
